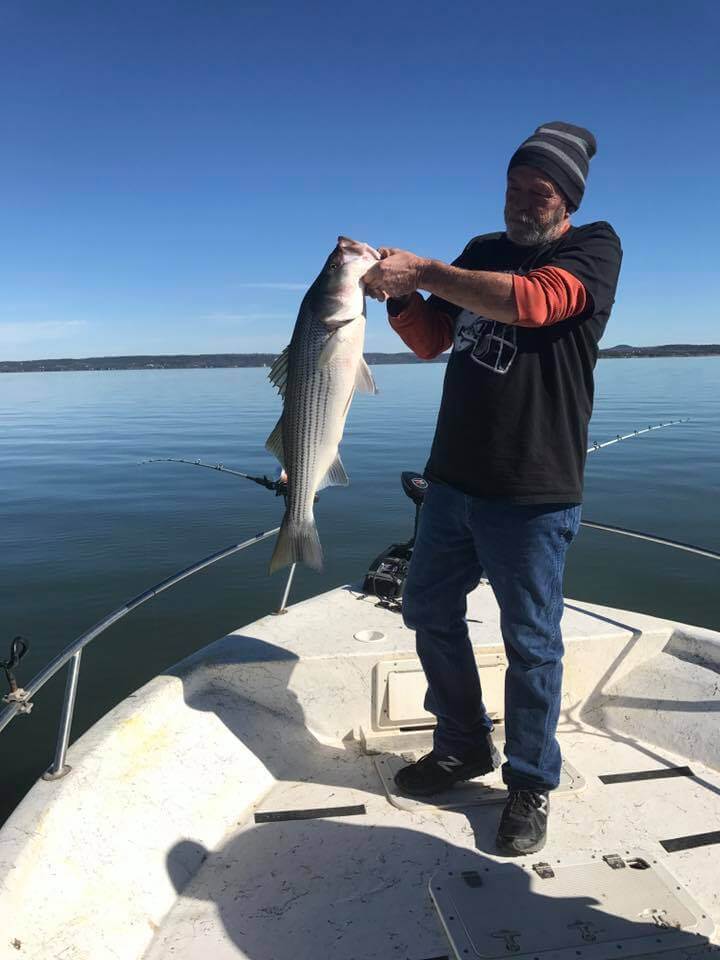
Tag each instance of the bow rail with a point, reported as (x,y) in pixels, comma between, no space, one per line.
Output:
(19,700)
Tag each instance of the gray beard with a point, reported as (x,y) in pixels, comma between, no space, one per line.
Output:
(529,233)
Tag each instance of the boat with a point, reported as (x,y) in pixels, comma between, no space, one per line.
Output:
(242,804)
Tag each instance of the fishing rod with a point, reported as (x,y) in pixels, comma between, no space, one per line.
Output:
(635,433)
(638,535)
(279,486)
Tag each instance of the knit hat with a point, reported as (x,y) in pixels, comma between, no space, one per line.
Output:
(563,153)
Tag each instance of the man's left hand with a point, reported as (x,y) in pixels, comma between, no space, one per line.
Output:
(396,275)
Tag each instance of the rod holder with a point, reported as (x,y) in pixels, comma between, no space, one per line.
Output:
(286,594)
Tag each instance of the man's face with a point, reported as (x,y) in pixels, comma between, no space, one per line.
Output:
(535,209)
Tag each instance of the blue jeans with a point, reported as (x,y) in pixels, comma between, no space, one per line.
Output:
(521,550)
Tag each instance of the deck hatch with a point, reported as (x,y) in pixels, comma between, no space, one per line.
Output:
(662,774)
(400,685)
(583,909)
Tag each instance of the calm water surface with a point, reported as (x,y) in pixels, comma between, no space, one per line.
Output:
(84,526)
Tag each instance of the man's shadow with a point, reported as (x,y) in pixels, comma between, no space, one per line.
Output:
(344,890)
(246,683)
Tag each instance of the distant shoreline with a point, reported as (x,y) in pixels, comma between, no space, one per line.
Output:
(211,361)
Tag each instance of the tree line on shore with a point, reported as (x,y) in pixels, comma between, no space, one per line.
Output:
(209,360)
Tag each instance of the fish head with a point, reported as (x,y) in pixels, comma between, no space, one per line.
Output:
(340,285)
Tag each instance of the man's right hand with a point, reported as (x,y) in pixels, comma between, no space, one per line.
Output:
(396,281)
(396,305)
(376,294)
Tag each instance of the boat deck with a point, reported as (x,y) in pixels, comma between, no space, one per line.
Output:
(241,805)
(354,885)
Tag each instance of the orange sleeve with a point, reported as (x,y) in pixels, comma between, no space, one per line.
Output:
(426,330)
(548,295)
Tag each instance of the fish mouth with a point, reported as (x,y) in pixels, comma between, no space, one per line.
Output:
(356,250)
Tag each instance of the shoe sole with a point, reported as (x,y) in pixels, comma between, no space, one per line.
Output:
(509,849)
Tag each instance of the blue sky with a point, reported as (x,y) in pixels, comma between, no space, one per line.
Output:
(175,173)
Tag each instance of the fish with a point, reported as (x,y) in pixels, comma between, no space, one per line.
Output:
(317,375)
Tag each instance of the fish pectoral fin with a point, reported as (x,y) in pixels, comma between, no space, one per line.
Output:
(333,324)
(349,401)
(279,371)
(364,380)
(274,443)
(336,476)
(331,347)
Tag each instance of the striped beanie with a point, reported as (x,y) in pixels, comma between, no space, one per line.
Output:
(563,153)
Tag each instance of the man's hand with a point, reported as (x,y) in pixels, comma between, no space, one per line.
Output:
(398,274)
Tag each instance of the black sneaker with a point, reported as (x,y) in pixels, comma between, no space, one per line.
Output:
(436,772)
(523,825)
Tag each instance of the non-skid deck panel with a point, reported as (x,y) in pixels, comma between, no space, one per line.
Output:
(585,908)
(676,844)
(662,773)
(310,813)
(472,793)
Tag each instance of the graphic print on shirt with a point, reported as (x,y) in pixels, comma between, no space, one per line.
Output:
(493,345)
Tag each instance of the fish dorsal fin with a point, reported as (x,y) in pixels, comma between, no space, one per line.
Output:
(364,380)
(336,476)
(274,443)
(279,371)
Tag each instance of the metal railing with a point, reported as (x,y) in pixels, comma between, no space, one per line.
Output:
(19,700)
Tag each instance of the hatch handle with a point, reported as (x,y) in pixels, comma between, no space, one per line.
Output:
(614,861)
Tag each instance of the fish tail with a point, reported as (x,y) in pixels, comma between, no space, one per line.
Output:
(297,543)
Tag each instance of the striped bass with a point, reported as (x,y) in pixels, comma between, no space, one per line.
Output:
(317,375)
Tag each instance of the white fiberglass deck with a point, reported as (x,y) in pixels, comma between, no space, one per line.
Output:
(233,808)
(356,886)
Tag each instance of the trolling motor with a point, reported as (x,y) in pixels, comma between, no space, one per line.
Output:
(387,574)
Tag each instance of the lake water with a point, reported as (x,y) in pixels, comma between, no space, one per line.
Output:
(84,525)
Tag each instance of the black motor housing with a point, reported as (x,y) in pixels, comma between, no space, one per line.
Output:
(386,577)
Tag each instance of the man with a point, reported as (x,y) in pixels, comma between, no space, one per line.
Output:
(523,311)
